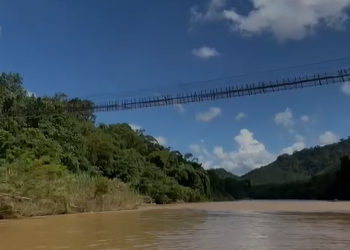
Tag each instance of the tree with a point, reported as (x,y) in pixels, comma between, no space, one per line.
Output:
(63,131)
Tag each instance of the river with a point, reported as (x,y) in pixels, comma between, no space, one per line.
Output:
(251,225)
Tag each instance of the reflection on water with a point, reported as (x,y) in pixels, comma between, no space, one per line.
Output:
(180,229)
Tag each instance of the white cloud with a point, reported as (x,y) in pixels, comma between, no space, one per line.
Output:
(284,118)
(345,88)
(304,118)
(207,164)
(328,138)
(219,153)
(209,115)
(214,7)
(200,150)
(180,108)
(299,145)
(195,148)
(284,19)
(161,140)
(250,154)
(247,142)
(30,93)
(205,52)
(202,154)
(135,127)
(240,116)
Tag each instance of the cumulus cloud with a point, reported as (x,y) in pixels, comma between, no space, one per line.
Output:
(207,164)
(284,118)
(328,137)
(200,150)
(304,118)
(209,115)
(135,127)
(29,93)
(297,146)
(284,19)
(205,52)
(240,116)
(212,13)
(180,108)
(202,154)
(250,154)
(345,88)
(195,148)
(161,140)
(219,153)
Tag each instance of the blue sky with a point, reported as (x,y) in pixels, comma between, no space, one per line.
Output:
(103,49)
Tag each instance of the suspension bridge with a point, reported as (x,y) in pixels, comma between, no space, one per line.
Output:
(211,94)
(339,76)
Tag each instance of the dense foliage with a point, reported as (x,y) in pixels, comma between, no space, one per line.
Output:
(315,173)
(333,185)
(302,165)
(37,133)
(55,161)
(227,186)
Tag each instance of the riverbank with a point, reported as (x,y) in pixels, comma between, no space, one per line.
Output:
(41,190)
(14,207)
(236,206)
(263,206)
(196,229)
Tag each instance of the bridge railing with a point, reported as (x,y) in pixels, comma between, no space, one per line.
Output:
(224,93)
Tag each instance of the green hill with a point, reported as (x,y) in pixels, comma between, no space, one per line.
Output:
(222,173)
(302,165)
(321,173)
(227,186)
(53,161)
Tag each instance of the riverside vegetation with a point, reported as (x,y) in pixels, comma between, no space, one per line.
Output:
(56,162)
(318,173)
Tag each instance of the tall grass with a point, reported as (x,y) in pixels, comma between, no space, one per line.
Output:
(38,188)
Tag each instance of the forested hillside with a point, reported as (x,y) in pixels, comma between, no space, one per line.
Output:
(301,165)
(314,173)
(333,185)
(54,161)
(227,186)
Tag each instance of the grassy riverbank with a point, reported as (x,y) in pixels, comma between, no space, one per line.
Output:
(37,188)
(53,161)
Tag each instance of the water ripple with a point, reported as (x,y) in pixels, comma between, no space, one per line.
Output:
(181,229)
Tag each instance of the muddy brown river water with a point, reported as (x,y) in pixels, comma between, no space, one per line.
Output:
(246,225)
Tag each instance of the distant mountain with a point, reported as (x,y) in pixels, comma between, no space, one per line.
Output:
(222,173)
(226,186)
(301,165)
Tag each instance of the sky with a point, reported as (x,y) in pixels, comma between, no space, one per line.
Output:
(106,50)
